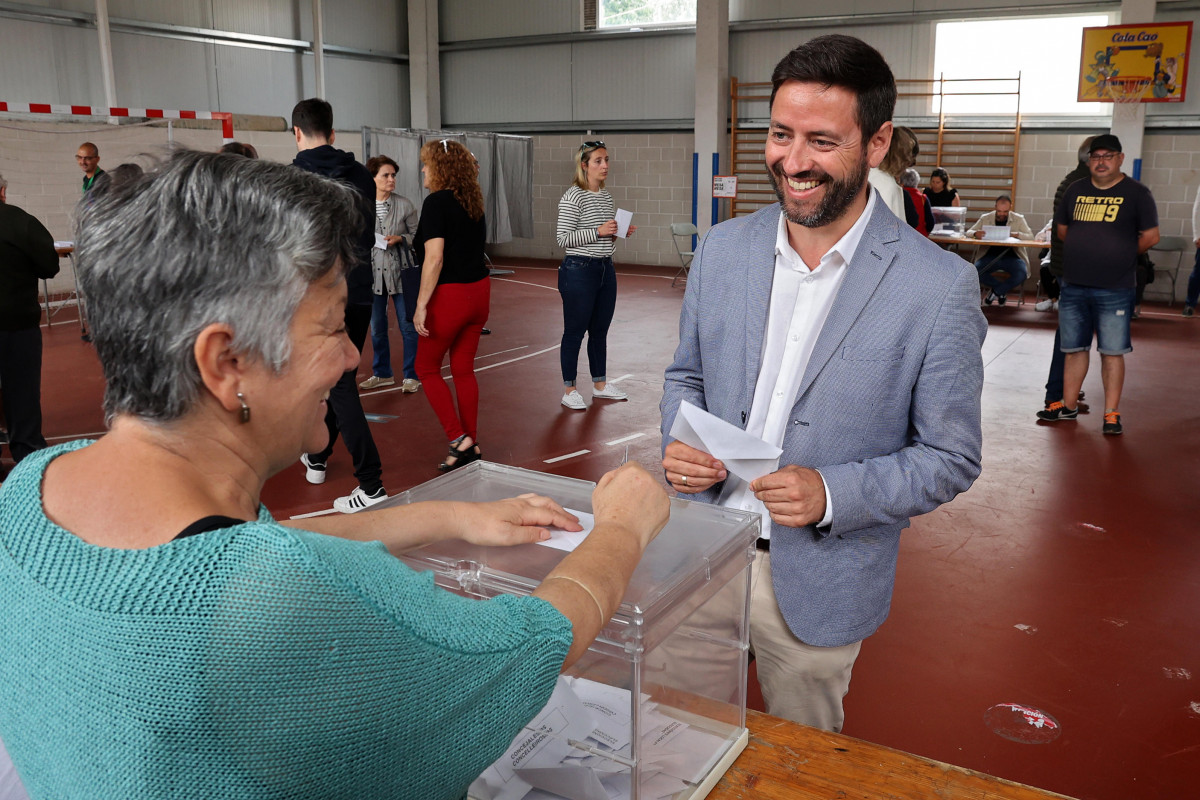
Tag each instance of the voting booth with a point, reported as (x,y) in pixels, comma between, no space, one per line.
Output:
(657,707)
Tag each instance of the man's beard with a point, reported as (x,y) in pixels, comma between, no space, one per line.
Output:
(839,194)
(1001,220)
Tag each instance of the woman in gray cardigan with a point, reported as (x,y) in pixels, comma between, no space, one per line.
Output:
(395,224)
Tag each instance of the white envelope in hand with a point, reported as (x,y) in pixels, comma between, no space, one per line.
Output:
(744,455)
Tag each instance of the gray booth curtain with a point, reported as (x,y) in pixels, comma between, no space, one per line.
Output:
(505,173)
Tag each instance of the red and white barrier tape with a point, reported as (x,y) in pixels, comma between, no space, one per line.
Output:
(225,117)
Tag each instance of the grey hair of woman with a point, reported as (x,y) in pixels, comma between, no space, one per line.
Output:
(910,179)
(202,238)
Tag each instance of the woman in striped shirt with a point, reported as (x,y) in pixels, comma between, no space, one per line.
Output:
(586,279)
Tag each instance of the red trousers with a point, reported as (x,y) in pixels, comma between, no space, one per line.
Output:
(455,318)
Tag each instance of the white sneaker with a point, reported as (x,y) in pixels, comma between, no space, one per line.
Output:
(574,400)
(610,392)
(313,472)
(410,385)
(374,382)
(358,500)
(1044,305)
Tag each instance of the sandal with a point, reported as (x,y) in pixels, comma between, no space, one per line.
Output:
(461,457)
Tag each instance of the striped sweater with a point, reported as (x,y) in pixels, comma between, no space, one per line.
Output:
(580,213)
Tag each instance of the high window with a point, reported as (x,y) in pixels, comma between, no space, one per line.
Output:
(1044,50)
(626,13)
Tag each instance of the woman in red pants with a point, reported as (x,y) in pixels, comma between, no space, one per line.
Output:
(452,305)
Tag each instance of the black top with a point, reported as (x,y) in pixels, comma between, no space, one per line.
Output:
(211,523)
(338,164)
(941,199)
(1100,248)
(26,255)
(462,256)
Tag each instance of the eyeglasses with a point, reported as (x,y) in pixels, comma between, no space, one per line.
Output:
(1102,156)
(445,145)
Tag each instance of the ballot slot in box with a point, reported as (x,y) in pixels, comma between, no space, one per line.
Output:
(657,706)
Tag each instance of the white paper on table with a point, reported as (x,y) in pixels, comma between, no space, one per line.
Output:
(574,783)
(744,455)
(569,540)
(380,242)
(623,219)
(64,244)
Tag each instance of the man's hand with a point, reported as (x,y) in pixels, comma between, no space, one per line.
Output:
(794,496)
(517,521)
(980,234)
(690,470)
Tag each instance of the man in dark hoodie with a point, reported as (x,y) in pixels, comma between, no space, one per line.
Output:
(26,256)
(1052,274)
(312,122)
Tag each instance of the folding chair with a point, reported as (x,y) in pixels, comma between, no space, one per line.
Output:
(686,231)
(1176,245)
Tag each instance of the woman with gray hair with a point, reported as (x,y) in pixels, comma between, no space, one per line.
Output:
(165,636)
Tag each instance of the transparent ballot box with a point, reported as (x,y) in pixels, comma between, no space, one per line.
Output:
(657,706)
(949,220)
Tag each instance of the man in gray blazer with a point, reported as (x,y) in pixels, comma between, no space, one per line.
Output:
(830,328)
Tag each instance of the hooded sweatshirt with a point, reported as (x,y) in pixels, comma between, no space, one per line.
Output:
(338,164)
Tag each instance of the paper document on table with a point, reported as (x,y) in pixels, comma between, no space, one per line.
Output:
(623,219)
(64,244)
(995,233)
(380,242)
(569,540)
(744,455)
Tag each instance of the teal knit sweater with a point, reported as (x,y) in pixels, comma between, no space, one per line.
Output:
(251,662)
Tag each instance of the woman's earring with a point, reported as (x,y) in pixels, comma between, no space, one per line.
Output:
(245,413)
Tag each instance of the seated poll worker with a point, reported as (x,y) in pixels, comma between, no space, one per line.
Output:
(164,636)
(1012,261)
(828,327)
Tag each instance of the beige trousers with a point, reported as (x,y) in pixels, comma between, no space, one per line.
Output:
(799,681)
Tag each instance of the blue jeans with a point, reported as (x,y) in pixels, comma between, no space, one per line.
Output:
(1087,310)
(1009,262)
(381,365)
(589,294)
(1193,294)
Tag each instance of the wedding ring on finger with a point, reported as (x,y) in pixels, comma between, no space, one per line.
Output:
(683,480)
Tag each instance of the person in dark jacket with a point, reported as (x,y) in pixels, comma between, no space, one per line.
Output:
(312,122)
(26,256)
(1051,274)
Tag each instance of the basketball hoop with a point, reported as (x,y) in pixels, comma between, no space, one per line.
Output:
(1126,94)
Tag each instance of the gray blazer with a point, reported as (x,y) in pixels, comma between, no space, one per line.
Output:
(887,410)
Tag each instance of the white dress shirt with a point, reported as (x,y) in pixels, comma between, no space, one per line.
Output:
(800,303)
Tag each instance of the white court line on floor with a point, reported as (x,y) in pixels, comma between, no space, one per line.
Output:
(527,283)
(326,512)
(446,367)
(623,377)
(624,439)
(568,455)
(518,358)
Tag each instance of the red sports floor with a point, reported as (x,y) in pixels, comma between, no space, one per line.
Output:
(1066,580)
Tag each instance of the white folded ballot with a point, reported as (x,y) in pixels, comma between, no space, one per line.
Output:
(579,747)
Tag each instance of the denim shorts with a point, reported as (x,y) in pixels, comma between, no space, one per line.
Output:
(1086,310)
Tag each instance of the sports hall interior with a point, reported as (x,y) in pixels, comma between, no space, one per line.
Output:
(1066,579)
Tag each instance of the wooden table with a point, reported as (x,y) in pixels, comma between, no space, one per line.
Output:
(786,761)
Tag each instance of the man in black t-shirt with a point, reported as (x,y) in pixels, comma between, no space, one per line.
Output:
(1105,221)
(312,123)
